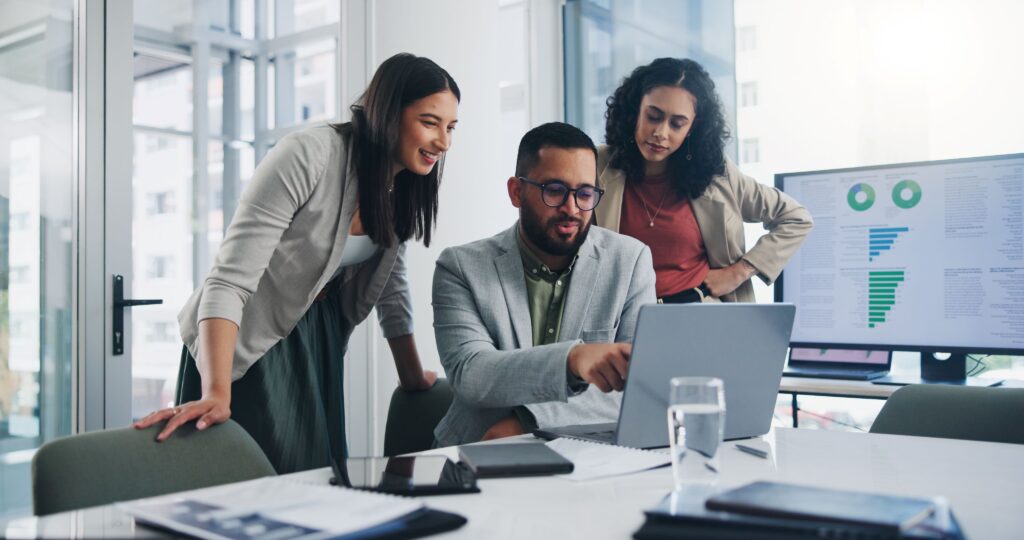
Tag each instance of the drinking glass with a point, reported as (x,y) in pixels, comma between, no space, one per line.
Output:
(696,420)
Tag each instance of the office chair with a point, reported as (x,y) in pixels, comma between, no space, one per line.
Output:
(412,417)
(122,464)
(954,412)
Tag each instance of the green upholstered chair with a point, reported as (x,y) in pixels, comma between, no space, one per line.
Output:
(412,417)
(102,467)
(954,412)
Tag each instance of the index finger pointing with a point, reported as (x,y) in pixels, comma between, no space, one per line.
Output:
(621,366)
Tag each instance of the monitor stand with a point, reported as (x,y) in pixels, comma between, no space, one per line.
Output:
(951,370)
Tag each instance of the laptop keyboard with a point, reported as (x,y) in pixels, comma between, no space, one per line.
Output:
(852,374)
(604,435)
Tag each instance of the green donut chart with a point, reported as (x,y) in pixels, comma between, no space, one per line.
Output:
(909,201)
(853,197)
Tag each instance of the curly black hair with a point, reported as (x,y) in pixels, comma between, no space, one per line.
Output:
(705,142)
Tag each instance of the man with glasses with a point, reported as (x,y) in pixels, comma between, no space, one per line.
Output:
(534,325)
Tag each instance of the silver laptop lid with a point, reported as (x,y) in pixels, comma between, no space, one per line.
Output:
(742,344)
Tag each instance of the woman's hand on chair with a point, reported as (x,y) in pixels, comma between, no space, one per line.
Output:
(210,410)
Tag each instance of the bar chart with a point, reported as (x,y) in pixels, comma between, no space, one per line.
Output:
(882,239)
(882,285)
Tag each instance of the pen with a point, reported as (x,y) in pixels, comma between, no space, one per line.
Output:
(752,451)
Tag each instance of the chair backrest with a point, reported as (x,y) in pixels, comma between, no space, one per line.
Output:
(412,417)
(102,467)
(954,412)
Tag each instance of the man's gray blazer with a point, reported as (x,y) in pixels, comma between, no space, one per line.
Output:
(485,337)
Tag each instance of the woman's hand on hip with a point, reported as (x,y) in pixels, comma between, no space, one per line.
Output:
(722,281)
(210,410)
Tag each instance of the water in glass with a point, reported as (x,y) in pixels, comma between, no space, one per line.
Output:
(696,420)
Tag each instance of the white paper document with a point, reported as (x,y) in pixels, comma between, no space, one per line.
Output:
(595,460)
(270,508)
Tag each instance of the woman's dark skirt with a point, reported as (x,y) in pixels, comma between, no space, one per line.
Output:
(292,399)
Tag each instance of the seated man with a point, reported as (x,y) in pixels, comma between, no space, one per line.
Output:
(527,321)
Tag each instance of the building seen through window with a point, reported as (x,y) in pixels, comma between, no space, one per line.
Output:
(187,181)
(851,83)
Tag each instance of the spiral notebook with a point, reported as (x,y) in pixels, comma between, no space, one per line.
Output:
(283,508)
(596,460)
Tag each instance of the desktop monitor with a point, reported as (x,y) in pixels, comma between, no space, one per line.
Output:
(925,257)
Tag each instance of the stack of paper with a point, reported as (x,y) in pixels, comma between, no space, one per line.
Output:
(270,508)
(595,460)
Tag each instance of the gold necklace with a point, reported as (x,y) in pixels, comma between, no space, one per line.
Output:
(650,223)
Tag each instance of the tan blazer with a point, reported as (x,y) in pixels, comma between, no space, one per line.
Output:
(284,244)
(728,202)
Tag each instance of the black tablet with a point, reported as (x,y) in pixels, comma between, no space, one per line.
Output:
(414,475)
(503,460)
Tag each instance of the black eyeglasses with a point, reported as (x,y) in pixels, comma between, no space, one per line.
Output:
(554,193)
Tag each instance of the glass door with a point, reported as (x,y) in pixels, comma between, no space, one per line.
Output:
(215,84)
(37,183)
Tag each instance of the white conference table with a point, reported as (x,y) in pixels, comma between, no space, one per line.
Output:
(984,483)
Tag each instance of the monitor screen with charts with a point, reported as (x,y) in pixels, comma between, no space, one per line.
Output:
(918,256)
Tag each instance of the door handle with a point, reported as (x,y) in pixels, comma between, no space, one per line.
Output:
(120,303)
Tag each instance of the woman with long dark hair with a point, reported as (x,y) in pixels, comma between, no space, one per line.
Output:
(668,183)
(318,240)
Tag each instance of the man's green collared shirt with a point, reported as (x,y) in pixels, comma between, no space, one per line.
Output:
(545,291)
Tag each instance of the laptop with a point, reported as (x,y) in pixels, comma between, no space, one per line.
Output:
(854,365)
(742,344)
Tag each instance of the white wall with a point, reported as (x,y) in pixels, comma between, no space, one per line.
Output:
(486,45)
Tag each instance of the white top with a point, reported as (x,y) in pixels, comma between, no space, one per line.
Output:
(357,249)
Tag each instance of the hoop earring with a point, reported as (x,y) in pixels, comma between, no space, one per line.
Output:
(688,156)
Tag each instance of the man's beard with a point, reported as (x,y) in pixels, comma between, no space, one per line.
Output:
(544,235)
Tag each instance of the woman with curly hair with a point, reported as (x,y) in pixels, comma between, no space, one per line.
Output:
(668,183)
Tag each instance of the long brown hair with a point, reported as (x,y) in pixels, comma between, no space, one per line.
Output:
(406,206)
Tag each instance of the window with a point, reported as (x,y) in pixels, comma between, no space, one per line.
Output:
(39,161)
(255,88)
(162,332)
(20,221)
(159,267)
(746,38)
(161,202)
(870,83)
(17,327)
(606,39)
(751,151)
(748,94)
(155,143)
(20,274)
(217,201)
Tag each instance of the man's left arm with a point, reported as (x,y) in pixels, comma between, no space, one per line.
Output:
(641,291)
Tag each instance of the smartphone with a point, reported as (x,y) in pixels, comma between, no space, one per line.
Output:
(411,475)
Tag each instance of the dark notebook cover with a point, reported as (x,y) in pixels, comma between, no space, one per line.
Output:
(503,460)
(774,499)
(684,515)
(416,524)
(424,522)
